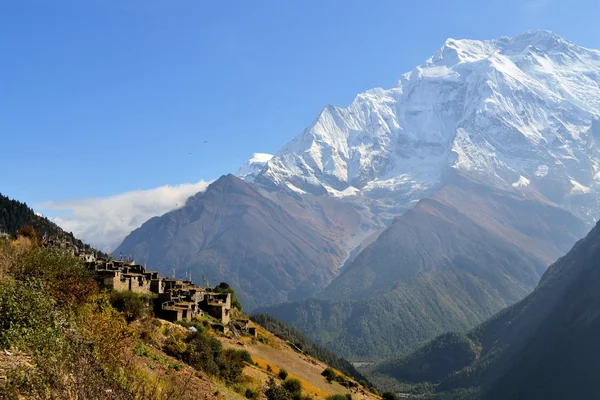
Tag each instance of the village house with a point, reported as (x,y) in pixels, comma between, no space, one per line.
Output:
(175,299)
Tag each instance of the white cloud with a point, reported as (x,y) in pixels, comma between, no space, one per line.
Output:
(104,222)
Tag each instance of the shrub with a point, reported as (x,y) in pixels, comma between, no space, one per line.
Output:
(276,392)
(389,396)
(225,288)
(329,374)
(294,388)
(29,232)
(133,305)
(25,314)
(282,374)
(251,394)
(205,353)
(339,397)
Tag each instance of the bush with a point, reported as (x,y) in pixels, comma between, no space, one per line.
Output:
(329,374)
(76,341)
(276,392)
(282,374)
(389,396)
(225,288)
(339,397)
(133,305)
(294,388)
(251,394)
(25,314)
(205,353)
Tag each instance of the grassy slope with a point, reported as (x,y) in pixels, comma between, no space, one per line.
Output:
(276,353)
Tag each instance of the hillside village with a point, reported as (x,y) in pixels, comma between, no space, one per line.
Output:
(174,299)
(193,343)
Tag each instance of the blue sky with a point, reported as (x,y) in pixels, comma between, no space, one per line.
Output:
(103,97)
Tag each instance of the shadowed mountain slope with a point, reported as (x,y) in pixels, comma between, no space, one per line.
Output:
(544,347)
(452,261)
(271,247)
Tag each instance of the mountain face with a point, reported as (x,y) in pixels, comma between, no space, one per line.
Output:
(544,347)
(438,267)
(417,209)
(517,111)
(272,247)
(253,166)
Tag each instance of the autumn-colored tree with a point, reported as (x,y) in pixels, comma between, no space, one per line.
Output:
(29,232)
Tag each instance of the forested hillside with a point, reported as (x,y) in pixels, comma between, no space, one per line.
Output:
(544,347)
(15,215)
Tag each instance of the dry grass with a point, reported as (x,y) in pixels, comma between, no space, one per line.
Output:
(276,354)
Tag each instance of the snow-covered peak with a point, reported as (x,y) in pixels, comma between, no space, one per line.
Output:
(253,166)
(505,109)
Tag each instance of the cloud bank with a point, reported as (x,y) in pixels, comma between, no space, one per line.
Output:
(104,222)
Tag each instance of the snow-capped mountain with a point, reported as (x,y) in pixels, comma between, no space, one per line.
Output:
(253,166)
(517,111)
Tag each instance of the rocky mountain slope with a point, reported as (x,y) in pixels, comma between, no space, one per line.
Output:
(517,111)
(492,142)
(440,266)
(272,247)
(544,347)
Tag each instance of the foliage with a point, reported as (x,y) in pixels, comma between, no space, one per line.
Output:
(282,374)
(250,394)
(134,305)
(301,342)
(75,343)
(294,387)
(339,397)
(329,374)
(15,215)
(29,232)
(205,353)
(389,396)
(275,392)
(225,288)
(435,360)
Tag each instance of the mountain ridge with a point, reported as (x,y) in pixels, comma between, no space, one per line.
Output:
(543,347)
(270,246)
(496,107)
(395,295)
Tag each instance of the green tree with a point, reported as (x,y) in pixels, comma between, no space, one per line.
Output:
(225,288)
(275,392)
(134,305)
(294,387)
(389,396)
(329,374)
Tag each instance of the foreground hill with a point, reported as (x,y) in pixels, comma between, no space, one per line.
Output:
(106,345)
(272,247)
(440,265)
(544,347)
